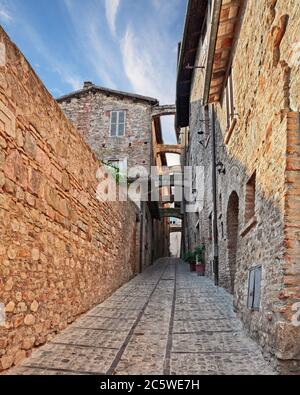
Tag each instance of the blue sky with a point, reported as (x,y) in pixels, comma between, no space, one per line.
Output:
(128,45)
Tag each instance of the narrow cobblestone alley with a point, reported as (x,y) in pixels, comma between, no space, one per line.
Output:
(165,321)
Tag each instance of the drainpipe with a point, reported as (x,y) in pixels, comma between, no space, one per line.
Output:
(215,199)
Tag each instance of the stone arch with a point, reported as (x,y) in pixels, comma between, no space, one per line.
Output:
(232,235)
(177,169)
(169,149)
(161,111)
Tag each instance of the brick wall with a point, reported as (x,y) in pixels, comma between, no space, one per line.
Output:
(61,250)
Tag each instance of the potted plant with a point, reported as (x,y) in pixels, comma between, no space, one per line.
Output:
(190,257)
(200,260)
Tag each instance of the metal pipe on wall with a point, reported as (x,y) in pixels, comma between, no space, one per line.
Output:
(215,199)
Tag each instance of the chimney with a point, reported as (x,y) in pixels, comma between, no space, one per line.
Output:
(87,84)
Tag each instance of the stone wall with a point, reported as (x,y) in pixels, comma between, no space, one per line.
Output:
(61,251)
(265,140)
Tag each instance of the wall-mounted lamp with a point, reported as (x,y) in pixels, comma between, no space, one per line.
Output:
(221,168)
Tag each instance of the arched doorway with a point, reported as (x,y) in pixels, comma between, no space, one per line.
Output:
(232,234)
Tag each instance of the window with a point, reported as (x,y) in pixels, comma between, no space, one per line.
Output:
(230,108)
(250,198)
(117,123)
(254,293)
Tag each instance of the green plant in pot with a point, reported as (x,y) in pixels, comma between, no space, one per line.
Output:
(190,257)
(200,260)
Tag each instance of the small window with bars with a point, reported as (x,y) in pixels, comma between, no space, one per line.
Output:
(254,293)
(117,123)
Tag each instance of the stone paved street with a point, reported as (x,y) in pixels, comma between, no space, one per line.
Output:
(165,321)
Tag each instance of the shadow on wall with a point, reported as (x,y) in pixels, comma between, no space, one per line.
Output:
(259,242)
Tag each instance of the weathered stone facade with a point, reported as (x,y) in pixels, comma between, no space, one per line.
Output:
(62,251)
(258,180)
(90,111)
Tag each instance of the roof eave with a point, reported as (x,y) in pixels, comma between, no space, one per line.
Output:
(211,50)
(195,16)
(92,88)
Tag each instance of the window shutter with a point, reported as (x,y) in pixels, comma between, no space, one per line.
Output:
(113,123)
(121,123)
(117,124)
(257,288)
(121,117)
(254,293)
(121,129)
(251,289)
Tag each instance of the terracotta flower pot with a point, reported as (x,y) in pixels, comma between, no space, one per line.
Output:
(193,267)
(200,269)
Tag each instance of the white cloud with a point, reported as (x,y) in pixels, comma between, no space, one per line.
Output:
(71,79)
(157,4)
(111,11)
(58,66)
(150,63)
(63,69)
(5,15)
(92,42)
(100,56)
(149,71)
(144,65)
(138,65)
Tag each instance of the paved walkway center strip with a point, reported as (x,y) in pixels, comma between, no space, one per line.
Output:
(183,325)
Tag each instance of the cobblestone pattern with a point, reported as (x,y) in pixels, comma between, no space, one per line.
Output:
(165,321)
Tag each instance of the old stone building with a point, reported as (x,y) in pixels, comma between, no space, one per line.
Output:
(119,128)
(116,125)
(238,94)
